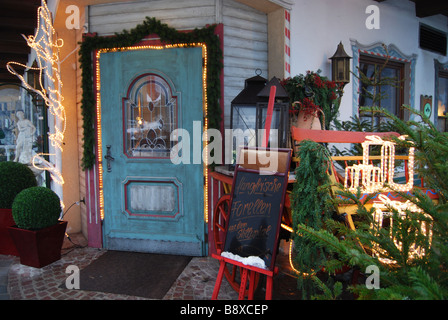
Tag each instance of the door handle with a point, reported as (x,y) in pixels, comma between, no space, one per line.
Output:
(108,158)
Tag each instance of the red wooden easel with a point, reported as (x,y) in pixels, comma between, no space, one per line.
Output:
(249,272)
(246,271)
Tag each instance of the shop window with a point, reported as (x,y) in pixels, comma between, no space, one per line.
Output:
(382,86)
(442,101)
(23,129)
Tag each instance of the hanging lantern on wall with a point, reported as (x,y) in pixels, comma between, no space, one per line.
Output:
(340,65)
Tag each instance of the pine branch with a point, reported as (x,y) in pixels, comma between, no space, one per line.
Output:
(425,286)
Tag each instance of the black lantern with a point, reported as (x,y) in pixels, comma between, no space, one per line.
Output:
(249,110)
(340,65)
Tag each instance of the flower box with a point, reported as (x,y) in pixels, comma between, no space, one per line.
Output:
(7,246)
(38,248)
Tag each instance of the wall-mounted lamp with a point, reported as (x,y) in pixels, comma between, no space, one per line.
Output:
(340,66)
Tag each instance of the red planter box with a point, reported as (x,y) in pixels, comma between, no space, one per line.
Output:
(40,247)
(7,246)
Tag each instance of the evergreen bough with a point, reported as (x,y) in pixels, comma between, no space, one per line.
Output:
(311,206)
(36,208)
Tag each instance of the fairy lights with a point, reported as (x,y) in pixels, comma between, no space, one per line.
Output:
(373,179)
(98,113)
(99,132)
(46,45)
(291,263)
(383,210)
(40,163)
(205,129)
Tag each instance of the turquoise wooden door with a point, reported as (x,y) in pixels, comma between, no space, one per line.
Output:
(151,204)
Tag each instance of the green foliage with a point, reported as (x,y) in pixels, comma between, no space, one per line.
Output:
(36,208)
(328,293)
(14,177)
(408,276)
(128,38)
(313,90)
(311,205)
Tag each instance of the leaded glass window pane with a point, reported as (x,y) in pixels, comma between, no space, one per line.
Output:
(150,117)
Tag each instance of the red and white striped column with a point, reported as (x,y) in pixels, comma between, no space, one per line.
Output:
(287,44)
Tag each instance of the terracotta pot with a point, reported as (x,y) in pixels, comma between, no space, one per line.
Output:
(308,122)
(300,121)
(7,246)
(38,248)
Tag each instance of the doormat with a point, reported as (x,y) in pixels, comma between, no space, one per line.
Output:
(145,275)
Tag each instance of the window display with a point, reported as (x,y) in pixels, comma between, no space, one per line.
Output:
(22,123)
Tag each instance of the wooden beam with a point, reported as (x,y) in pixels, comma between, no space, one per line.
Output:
(23,23)
(428,8)
(14,48)
(332,136)
(4,62)
(16,18)
(12,37)
(27,6)
(7,77)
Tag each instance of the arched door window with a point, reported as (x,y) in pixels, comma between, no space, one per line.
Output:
(150,116)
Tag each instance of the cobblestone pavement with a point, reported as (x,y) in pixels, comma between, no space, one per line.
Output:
(20,282)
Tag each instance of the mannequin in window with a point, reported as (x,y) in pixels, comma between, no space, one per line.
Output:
(25,137)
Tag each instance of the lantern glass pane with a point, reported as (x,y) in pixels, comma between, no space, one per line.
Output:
(275,125)
(341,70)
(243,125)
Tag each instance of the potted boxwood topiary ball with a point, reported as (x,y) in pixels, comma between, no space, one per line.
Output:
(38,233)
(14,177)
(36,208)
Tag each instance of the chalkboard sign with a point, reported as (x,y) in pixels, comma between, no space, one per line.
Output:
(255,214)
